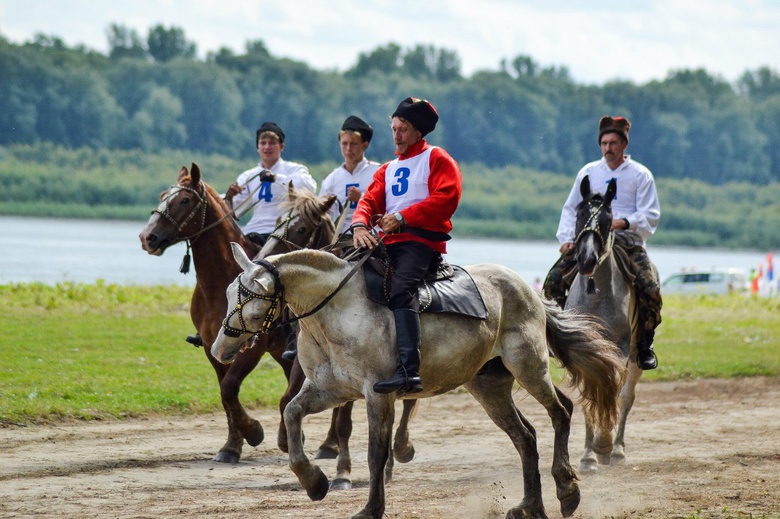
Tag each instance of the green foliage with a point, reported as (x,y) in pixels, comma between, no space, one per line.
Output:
(154,94)
(504,202)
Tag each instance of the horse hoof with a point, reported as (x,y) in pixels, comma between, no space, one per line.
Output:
(523,512)
(341,484)
(618,458)
(404,455)
(320,489)
(570,500)
(589,466)
(326,453)
(254,434)
(604,459)
(227,457)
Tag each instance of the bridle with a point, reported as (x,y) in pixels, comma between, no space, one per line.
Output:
(245,295)
(592,226)
(277,300)
(284,227)
(166,215)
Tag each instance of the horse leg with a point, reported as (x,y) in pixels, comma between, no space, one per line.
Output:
(329,449)
(403,450)
(294,384)
(494,393)
(627,396)
(380,409)
(309,400)
(588,461)
(231,450)
(342,419)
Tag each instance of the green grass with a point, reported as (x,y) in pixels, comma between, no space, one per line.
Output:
(102,351)
(98,351)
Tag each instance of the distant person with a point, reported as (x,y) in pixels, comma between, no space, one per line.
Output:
(349,181)
(416,195)
(267,183)
(635,212)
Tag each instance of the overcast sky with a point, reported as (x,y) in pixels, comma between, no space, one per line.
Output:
(597,41)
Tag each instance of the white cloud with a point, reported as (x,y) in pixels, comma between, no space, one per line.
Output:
(638,41)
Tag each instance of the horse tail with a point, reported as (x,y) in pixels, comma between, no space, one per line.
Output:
(580,342)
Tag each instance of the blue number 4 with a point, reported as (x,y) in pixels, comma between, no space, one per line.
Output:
(264,193)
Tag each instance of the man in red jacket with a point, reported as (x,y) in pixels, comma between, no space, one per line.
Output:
(414,197)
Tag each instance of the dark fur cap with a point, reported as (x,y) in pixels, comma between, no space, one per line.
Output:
(354,123)
(269,126)
(419,112)
(619,125)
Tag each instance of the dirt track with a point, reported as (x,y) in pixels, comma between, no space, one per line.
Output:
(707,448)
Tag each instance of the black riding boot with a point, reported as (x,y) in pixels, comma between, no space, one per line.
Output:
(407,377)
(646,358)
(194,339)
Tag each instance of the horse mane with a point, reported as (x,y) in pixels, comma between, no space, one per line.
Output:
(318,259)
(307,205)
(215,199)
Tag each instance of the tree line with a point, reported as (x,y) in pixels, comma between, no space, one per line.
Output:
(505,202)
(153,94)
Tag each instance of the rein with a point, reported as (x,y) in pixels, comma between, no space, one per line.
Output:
(278,301)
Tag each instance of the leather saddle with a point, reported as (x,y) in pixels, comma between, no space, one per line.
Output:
(446,289)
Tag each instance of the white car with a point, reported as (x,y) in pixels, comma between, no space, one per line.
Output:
(710,281)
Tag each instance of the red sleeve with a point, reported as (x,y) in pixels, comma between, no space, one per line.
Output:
(373,200)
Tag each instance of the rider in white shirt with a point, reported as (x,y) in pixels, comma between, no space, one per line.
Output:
(635,212)
(267,184)
(349,181)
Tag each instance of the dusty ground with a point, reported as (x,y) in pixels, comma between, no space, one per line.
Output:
(697,449)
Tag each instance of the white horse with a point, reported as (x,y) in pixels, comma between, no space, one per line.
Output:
(349,344)
(601,289)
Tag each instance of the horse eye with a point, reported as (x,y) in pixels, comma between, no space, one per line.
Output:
(184,201)
(303,230)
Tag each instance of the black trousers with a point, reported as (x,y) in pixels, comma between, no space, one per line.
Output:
(411,261)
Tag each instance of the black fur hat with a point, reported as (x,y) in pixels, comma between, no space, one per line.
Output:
(419,112)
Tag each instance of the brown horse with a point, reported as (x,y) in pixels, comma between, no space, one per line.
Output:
(193,211)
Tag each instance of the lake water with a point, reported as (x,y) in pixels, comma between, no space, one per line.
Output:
(51,250)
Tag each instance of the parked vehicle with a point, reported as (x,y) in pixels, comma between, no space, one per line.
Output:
(711,281)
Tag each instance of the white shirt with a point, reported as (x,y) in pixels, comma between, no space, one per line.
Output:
(268,197)
(636,198)
(340,180)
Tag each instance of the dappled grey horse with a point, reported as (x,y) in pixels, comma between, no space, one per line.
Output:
(601,288)
(349,344)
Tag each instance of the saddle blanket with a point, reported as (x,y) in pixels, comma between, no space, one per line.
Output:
(457,294)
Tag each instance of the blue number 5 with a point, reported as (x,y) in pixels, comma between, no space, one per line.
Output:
(402,184)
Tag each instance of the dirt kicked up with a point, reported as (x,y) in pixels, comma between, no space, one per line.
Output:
(696,449)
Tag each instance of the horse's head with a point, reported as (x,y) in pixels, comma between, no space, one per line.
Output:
(303,224)
(180,214)
(592,230)
(256,297)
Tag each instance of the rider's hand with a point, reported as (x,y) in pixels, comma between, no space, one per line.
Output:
(232,191)
(362,238)
(567,247)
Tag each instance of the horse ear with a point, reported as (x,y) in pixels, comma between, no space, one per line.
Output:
(195,173)
(183,172)
(585,187)
(328,203)
(241,258)
(611,191)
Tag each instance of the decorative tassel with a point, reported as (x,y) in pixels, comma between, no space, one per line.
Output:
(591,286)
(185,262)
